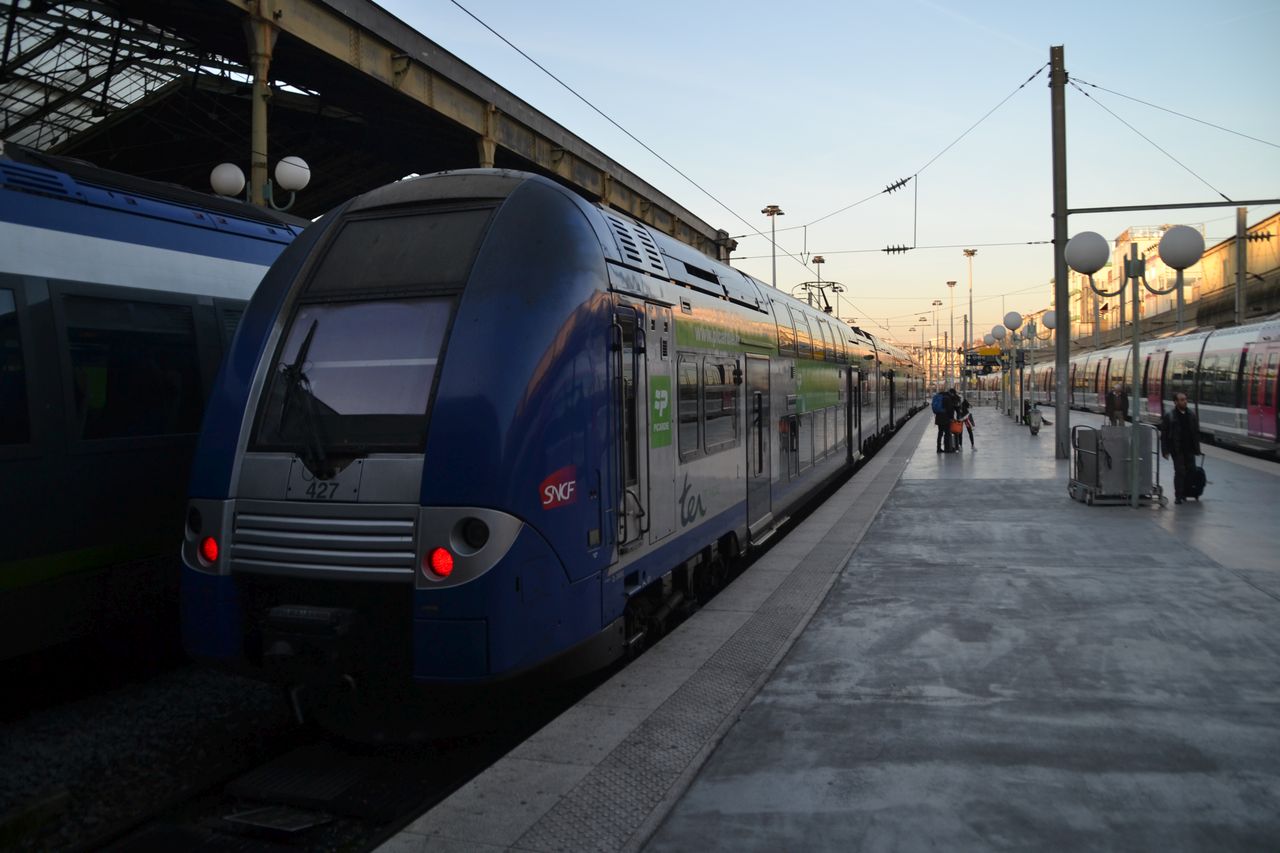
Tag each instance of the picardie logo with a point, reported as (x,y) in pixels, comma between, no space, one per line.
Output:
(560,489)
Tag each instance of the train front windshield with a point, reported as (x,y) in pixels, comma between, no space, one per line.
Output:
(358,374)
(358,363)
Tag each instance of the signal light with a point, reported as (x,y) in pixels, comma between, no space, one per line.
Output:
(209,549)
(440,562)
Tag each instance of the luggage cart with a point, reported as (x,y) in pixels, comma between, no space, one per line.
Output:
(1100,465)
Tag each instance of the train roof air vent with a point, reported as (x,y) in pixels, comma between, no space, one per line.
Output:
(636,245)
(33,179)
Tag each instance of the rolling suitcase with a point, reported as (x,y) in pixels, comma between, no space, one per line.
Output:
(1196,480)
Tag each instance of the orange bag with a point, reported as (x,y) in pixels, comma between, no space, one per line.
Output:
(957,427)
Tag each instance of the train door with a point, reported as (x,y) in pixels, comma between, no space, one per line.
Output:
(628,370)
(758,420)
(658,357)
(858,402)
(1154,382)
(1100,377)
(1261,392)
(893,419)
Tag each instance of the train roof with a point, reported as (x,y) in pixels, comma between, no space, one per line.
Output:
(25,170)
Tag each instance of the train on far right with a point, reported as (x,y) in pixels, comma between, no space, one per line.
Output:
(1230,377)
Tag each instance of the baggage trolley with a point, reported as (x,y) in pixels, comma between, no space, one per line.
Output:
(1100,465)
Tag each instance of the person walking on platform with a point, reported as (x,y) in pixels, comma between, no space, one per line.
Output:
(965,416)
(1180,439)
(951,406)
(1117,405)
(940,418)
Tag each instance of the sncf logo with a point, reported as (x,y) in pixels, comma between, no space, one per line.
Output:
(560,489)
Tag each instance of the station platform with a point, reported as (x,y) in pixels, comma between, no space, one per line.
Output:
(949,653)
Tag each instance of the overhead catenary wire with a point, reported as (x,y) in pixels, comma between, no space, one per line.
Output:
(754,231)
(1175,112)
(1149,140)
(607,117)
(915,175)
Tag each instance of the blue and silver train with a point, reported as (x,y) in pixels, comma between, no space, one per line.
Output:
(117,299)
(474,425)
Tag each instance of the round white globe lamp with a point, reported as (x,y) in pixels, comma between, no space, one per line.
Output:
(292,174)
(1181,246)
(227,179)
(1087,252)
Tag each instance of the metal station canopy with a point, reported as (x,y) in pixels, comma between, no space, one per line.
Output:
(164,89)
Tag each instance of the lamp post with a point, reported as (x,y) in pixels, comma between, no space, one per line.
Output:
(924,357)
(773,211)
(1032,334)
(1012,322)
(292,174)
(951,286)
(1087,252)
(937,303)
(968,338)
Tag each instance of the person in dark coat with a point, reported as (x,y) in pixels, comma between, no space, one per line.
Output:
(940,417)
(1117,405)
(1180,440)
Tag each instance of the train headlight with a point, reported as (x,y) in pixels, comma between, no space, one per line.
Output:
(438,562)
(195,521)
(475,533)
(209,550)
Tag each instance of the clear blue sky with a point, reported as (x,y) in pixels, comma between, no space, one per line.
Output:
(816,105)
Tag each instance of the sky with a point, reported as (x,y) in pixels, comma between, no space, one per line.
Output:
(815,106)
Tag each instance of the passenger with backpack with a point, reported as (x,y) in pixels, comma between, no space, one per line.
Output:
(942,419)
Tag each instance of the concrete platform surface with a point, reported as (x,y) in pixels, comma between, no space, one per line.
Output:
(1000,667)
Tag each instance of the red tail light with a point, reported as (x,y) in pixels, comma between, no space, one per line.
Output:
(440,562)
(209,549)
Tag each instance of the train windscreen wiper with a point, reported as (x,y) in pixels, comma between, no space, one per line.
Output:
(313,454)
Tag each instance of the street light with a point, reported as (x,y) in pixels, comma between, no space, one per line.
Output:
(1032,334)
(1087,252)
(292,174)
(773,211)
(968,342)
(951,285)
(1012,321)
(937,303)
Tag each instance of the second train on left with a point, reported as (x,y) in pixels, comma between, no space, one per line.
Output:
(475,425)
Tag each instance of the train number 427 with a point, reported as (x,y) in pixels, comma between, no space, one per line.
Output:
(322,491)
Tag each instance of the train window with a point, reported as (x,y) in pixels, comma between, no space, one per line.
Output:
(355,376)
(687,380)
(719,404)
(135,370)
(398,252)
(1183,377)
(14,423)
(834,337)
(804,339)
(821,344)
(1209,380)
(786,331)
